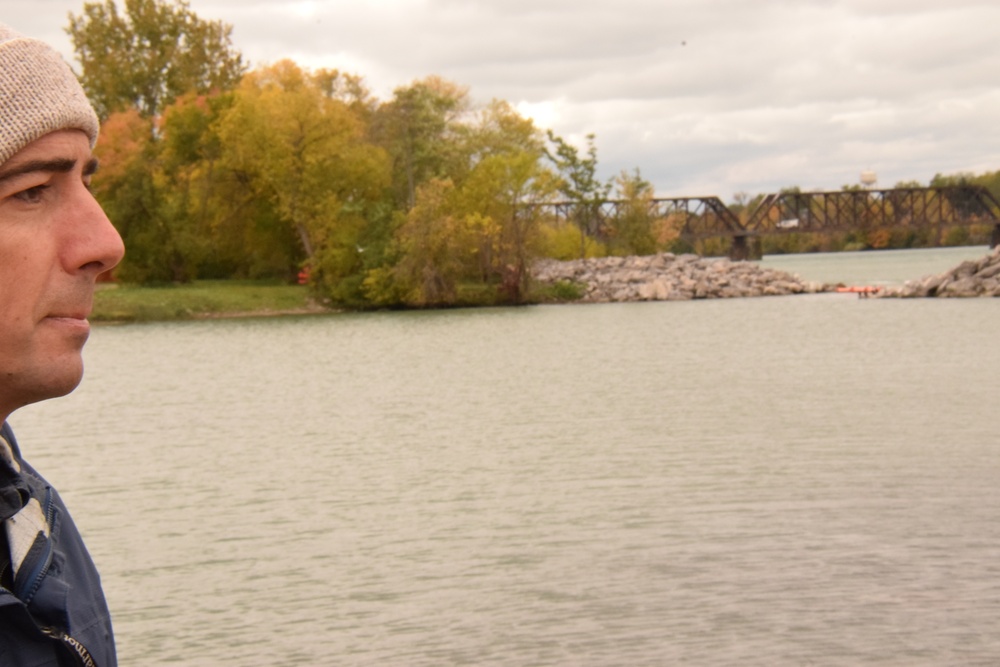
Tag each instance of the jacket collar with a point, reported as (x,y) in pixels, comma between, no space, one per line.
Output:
(14,492)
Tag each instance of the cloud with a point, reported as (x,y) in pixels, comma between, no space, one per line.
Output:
(718,96)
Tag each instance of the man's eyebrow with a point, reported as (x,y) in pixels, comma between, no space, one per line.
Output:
(59,165)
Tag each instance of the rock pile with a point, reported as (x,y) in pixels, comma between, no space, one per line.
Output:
(669,277)
(979,277)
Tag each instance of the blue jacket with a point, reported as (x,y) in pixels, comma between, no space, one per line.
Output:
(56,603)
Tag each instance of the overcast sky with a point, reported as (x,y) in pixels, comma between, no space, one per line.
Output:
(704,97)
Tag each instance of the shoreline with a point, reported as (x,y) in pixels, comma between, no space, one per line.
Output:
(661,277)
(211,299)
(266,312)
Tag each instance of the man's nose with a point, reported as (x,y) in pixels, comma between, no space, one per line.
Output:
(97,246)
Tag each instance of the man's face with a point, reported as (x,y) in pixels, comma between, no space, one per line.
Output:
(54,242)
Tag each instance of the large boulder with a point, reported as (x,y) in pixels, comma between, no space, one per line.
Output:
(970,278)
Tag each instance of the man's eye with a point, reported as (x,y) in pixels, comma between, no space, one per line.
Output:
(31,195)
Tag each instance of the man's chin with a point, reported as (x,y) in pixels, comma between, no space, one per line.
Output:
(53,384)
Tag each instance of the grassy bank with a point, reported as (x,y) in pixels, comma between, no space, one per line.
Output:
(201,299)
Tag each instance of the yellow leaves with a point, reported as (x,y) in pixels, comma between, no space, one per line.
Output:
(437,247)
(485,229)
(380,288)
(563,242)
(666,230)
(444,88)
(632,230)
(284,75)
(500,129)
(299,147)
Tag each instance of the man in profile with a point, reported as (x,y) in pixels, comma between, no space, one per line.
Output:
(54,242)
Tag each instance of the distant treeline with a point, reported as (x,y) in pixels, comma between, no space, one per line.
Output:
(281,173)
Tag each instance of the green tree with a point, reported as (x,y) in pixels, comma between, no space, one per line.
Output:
(193,190)
(498,129)
(632,226)
(949,180)
(419,130)
(435,248)
(154,190)
(580,183)
(471,238)
(500,199)
(990,181)
(151,54)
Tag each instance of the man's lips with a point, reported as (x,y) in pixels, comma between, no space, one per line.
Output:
(80,314)
(76,309)
(73,321)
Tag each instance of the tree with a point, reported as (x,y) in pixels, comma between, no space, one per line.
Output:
(124,187)
(470,238)
(155,190)
(303,156)
(418,128)
(632,227)
(499,199)
(146,58)
(194,200)
(498,129)
(435,248)
(348,88)
(949,180)
(580,183)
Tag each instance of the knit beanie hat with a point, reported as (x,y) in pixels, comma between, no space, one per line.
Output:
(39,94)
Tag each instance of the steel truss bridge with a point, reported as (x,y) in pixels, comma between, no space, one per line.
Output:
(699,218)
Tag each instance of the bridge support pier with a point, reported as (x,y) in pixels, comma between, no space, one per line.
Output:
(739,251)
(743,249)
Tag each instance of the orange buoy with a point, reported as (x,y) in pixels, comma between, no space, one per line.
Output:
(859,289)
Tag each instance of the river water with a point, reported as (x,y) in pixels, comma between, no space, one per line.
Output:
(807,480)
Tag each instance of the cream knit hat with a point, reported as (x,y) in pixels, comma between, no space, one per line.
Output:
(39,94)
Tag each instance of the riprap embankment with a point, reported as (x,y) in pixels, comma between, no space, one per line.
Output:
(669,277)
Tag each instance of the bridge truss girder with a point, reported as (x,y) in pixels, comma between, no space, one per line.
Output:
(698,217)
(867,210)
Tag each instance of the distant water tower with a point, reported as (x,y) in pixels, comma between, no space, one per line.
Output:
(868,178)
